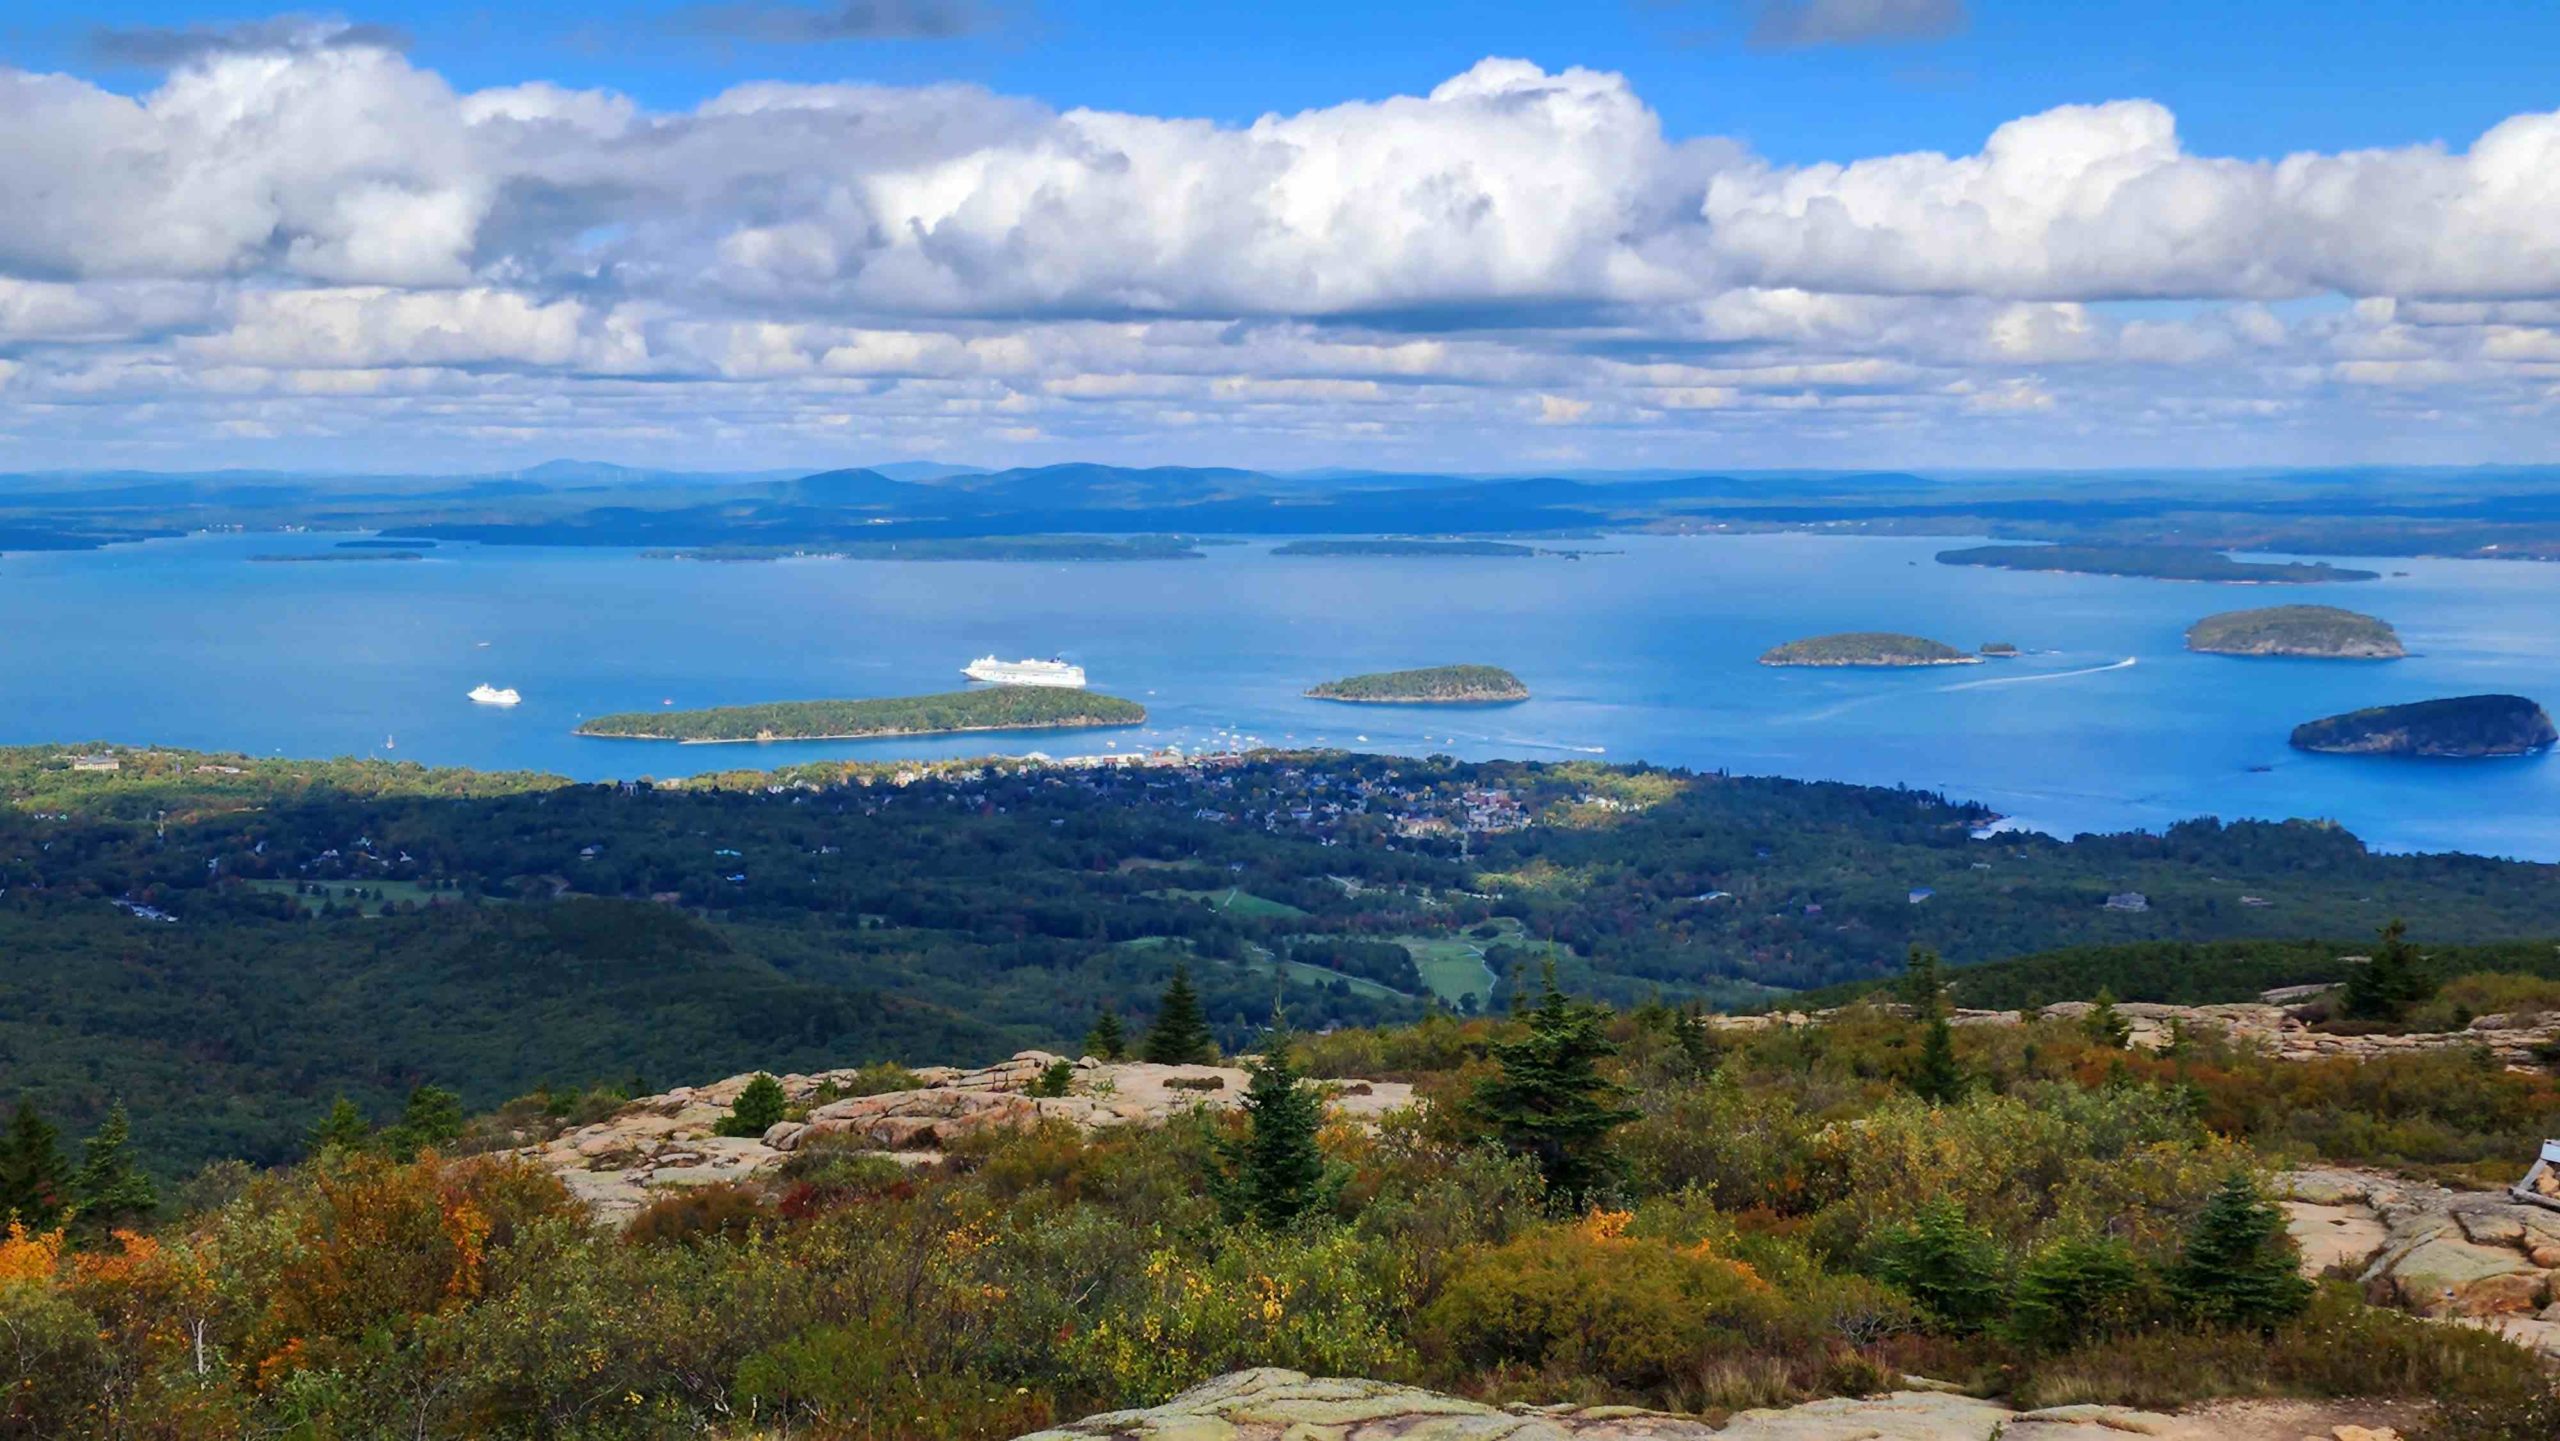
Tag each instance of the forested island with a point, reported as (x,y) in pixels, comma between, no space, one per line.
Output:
(1430,685)
(2323,632)
(962,547)
(2153,562)
(1493,548)
(1867,648)
(995,708)
(335,556)
(2460,727)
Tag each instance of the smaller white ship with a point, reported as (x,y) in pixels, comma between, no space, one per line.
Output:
(1025,672)
(487,694)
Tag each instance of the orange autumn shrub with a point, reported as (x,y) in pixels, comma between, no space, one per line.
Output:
(373,1244)
(1644,1313)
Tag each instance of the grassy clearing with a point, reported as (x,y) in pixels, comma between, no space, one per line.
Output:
(1236,901)
(341,893)
(1305,974)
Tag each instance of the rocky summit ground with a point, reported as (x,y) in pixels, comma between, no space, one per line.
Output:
(1276,1405)
(665,1142)
(2275,1027)
(2478,1257)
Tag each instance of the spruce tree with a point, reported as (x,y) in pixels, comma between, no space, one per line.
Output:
(431,1117)
(1938,1078)
(2105,1024)
(756,1110)
(2241,1267)
(1180,1035)
(2386,987)
(343,1129)
(108,1190)
(1108,1040)
(1276,1172)
(35,1180)
(1924,987)
(1549,1102)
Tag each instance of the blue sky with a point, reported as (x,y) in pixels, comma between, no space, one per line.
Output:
(2256,79)
(1491,235)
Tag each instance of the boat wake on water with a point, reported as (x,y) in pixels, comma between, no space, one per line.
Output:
(2123,664)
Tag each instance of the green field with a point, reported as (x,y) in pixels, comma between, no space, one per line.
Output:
(1299,971)
(376,893)
(1453,966)
(1236,901)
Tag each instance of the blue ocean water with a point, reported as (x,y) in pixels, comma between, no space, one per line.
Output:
(1648,654)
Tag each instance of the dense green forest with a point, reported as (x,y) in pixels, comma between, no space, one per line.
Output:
(992,708)
(206,938)
(1430,683)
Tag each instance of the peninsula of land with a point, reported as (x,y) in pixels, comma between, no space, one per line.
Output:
(2323,632)
(962,547)
(2459,727)
(1501,549)
(2151,562)
(1867,648)
(1431,685)
(997,708)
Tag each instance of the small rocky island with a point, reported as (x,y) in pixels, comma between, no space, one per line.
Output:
(1431,685)
(2459,727)
(997,708)
(2323,632)
(1867,648)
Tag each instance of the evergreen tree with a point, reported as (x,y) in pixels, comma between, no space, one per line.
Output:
(1938,1078)
(1549,1102)
(108,1190)
(2386,987)
(2075,1289)
(1108,1040)
(2105,1024)
(432,1117)
(1180,1036)
(1276,1173)
(1924,986)
(2241,1267)
(343,1129)
(756,1110)
(1940,1260)
(35,1180)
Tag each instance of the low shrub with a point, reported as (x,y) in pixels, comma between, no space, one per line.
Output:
(1640,1313)
(698,1215)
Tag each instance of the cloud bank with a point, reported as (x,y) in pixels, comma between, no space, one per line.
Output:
(302,237)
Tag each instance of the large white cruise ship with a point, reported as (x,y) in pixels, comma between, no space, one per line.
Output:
(1025,672)
(487,694)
